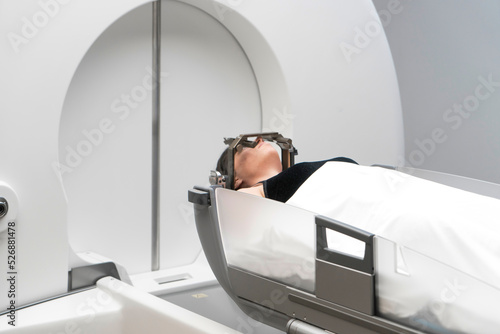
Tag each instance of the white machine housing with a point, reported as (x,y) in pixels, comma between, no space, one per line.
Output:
(61,130)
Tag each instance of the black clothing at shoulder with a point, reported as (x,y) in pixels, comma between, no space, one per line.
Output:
(282,186)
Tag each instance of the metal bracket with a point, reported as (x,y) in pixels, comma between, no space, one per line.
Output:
(86,276)
(288,153)
(200,197)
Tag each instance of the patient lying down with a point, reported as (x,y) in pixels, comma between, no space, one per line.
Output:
(453,226)
(258,171)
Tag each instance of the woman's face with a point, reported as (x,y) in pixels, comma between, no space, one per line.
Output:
(252,163)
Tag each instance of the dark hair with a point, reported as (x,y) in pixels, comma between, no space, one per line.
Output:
(222,163)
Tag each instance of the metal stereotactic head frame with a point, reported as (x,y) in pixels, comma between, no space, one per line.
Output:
(288,153)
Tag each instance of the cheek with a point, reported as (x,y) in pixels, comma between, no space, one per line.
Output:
(240,161)
(248,162)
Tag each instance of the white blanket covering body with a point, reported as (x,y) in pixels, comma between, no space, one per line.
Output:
(456,227)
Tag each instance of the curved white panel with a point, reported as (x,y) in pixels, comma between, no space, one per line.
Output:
(254,40)
(334,81)
(208,91)
(211,93)
(40,54)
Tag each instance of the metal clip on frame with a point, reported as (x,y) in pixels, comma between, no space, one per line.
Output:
(288,153)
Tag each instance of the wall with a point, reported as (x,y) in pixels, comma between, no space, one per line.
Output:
(447,55)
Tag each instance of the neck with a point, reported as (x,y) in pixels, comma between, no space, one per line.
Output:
(264,175)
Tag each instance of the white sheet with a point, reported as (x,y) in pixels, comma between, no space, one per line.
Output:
(455,227)
(451,226)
